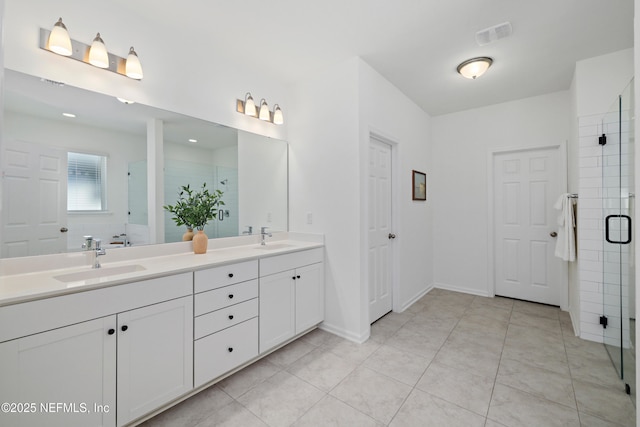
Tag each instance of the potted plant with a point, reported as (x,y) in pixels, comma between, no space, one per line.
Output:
(195,209)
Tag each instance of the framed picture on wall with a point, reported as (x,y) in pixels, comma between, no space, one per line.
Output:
(419,185)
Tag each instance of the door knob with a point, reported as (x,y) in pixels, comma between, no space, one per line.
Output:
(392,236)
(553,234)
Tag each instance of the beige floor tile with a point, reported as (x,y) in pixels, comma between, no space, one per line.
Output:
(489,341)
(244,380)
(516,408)
(602,402)
(397,364)
(318,337)
(489,311)
(372,393)
(531,337)
(594,369)
(193,410)
(381,332)
(470,357)
(539,310)
(424,345)
(539,382)
(281,399)
(290,353)
(536,322)
(443,308)
(538,356)
(354,352)
(429,324)
(332,412)
(591,421)
(497,302)
(458,386)
(425,410)
(322,369)
(232,415)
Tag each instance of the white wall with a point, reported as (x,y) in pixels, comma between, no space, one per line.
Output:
(328,168)
(461,143)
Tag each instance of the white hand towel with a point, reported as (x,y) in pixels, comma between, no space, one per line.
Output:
(566,243)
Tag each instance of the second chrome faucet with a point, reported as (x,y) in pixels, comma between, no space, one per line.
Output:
(263,233)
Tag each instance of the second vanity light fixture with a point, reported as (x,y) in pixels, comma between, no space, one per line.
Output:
(58,41)
(248,108)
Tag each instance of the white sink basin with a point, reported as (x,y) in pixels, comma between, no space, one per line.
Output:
(98,272)
(274,246)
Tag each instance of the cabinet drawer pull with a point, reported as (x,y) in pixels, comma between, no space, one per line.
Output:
(124,328)
(230,275)
(230,296)
(111,331)
(297,277)
(230,349)
(231,317)
(294,277)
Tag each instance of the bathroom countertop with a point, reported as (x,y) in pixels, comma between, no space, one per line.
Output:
(19,288)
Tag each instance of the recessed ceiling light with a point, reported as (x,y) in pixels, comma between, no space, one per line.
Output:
(125,101)
(69,115)
(193,140)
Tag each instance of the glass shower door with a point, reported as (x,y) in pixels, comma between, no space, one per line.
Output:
(617,207)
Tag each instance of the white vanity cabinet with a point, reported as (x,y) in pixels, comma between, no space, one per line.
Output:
(226,319)
(291,295)
(82,354)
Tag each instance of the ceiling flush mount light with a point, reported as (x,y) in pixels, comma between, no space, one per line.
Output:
(57,41)
(248,108)
(474,67)
(133,67)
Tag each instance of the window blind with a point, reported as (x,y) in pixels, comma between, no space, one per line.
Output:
(86,182)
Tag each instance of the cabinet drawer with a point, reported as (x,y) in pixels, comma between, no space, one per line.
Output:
(224,351)
(226,275)
(290,261)
(225,318)
(223,297)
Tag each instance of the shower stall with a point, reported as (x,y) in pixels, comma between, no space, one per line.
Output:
(618,206)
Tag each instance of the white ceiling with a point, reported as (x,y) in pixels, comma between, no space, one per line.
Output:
(415,44)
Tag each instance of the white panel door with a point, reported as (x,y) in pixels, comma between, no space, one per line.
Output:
(379,230)
(526,186)
(34,201)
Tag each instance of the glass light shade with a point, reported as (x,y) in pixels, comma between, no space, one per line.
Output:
(264,111)
(278,119)
(59,40)
(249,105)
(98,55)
(474,67)
(133,68)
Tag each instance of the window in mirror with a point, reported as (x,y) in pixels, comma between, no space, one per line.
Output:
(86,182)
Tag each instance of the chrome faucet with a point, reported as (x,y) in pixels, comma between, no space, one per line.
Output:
(88,243)
(263,232)
(99,252)
(249,230)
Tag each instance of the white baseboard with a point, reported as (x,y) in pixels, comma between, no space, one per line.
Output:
(415,298)
(462,289)
(576,325)
(342,333)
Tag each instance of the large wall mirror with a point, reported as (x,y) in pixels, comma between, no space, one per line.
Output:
(66,177)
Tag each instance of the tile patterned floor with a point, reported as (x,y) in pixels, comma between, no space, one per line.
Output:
(451,359)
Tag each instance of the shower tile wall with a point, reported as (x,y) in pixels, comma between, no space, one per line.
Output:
(599,269)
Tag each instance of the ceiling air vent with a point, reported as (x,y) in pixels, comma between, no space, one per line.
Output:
(492,34)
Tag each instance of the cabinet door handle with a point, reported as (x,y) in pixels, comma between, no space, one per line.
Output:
(231,317)
(297,277)
(230,275)
(124,328)
(294,277)
(230,296)
(230,349)
(111,331)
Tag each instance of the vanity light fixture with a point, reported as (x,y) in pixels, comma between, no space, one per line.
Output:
(248,108)
(133,68)
(265,114)
(278,118)
(58,41)
(474,67)
(98,55)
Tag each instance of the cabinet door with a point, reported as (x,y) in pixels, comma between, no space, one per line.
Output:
(68,373)
(309,296)
(155,356)
(277,309)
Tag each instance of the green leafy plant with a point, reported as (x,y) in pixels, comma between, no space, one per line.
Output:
(195,208)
